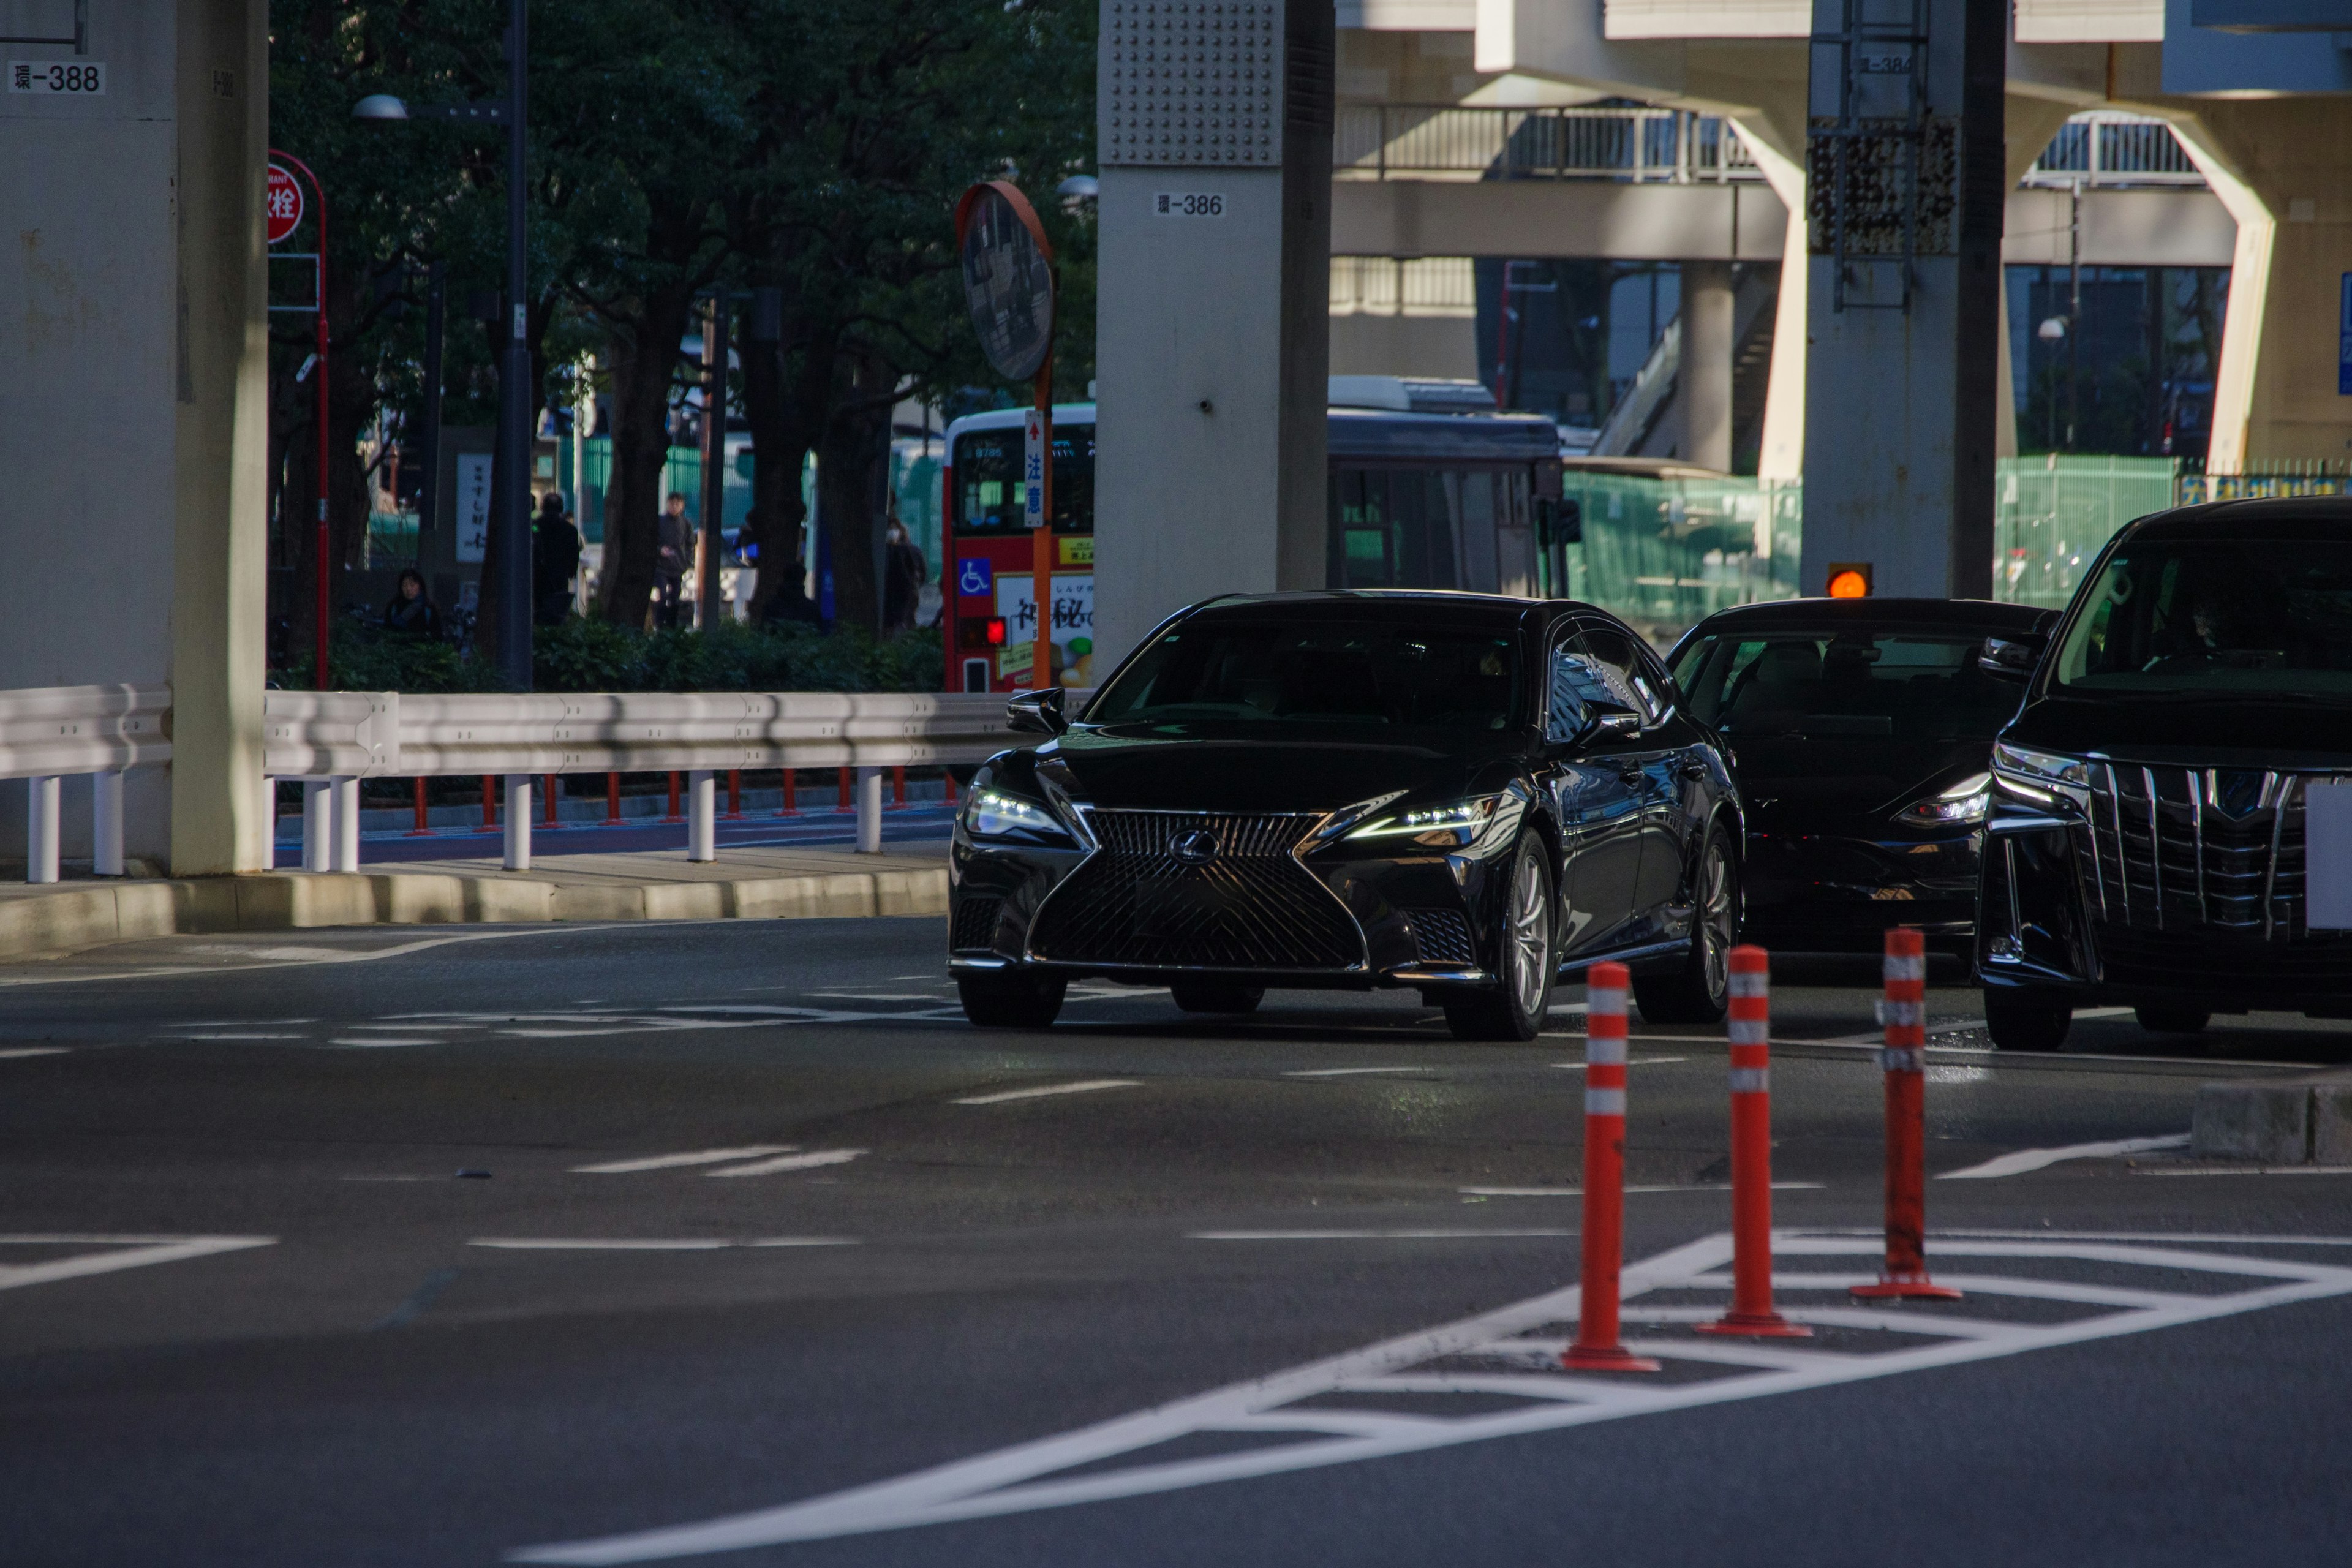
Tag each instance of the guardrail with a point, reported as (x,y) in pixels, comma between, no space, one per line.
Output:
(331,740)
(2105,148)
(1670,146)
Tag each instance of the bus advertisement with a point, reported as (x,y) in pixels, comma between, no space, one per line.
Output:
(1418,500)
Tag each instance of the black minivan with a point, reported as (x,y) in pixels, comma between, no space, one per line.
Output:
(2171,825)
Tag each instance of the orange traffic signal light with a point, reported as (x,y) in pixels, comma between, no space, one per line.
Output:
(1849,579)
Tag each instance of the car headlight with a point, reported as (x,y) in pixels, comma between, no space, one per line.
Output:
(1436,826)
(1965,803)
(992,813)
(2040,776)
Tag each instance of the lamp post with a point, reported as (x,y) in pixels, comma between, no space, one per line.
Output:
(318,371)
(510,492)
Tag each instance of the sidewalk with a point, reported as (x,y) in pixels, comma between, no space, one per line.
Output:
(748,883)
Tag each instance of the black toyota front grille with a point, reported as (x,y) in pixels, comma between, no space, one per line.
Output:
(2183,849)
(1440,936)
(975,925)
(1249,905)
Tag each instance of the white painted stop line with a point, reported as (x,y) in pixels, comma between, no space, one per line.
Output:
(1517,1349)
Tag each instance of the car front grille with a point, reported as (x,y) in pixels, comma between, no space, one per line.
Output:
(1251,905)
(975,925)
(2195,877)
(1440,936)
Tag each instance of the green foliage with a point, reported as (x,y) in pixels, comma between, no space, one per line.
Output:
(588,654)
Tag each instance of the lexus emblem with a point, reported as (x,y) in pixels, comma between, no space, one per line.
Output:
(1194,846)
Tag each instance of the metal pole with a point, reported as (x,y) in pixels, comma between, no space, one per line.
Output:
(517,405)
(2073,312)
(319,369)
(428,494)
(1040,546)
(708,546)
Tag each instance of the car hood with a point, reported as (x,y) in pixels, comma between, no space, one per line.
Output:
(1837,784)
(1112,767)
(2238,732)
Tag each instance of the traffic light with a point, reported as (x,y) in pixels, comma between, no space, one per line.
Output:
(1849,580)
(996,633)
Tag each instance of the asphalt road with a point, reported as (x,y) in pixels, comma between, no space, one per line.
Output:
(413,1248)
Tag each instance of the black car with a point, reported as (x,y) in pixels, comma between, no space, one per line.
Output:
(1861,732)
(2169,818)
(1460,794)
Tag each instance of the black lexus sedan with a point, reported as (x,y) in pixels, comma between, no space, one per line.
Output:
(2172,807)
(1462,794)
(1862,733)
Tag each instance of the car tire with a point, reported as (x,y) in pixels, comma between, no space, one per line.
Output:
(1216,996)
(1699,989)
(2021,1018)
(2173,1020)
(1526,964)
(1014,1000)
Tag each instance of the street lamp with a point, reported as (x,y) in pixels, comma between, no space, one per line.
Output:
(511,482)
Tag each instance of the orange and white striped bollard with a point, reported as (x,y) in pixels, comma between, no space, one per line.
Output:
(1905,1014)
(1596,1347)
(1751,1027)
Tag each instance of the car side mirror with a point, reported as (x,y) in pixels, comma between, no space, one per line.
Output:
(1610,719)
(1036,712)
(2012,657)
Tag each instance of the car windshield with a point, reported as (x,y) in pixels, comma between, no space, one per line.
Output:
(1860,681)
(1330,679)
(2238,618)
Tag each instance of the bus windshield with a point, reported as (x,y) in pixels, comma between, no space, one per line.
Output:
(1400,682)
(989,487)
(2216,618)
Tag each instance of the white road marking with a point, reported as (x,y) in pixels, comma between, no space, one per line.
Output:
(879,995)
(1520,1346)
(35,1051)
(1088,1086)
(381,1042)
(1351,1072)
(1629,1061)
(648,1244)
(236,1035)
(1454,1233)
(2024,1160)
(809,1161)
(309,955)
(1565,1007)
(2255,1171)
(1579,1192)
(668,1161)
(129,1252)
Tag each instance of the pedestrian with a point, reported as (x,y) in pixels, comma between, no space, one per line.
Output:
(411,613)
(674,537)
(554,561)
(789,602)
(904,572)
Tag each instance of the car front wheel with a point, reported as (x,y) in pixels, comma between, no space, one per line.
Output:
(1698,991)
(1516,1009)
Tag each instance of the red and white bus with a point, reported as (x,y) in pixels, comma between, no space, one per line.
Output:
(1418,500)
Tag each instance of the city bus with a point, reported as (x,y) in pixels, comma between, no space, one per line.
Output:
(1418,500)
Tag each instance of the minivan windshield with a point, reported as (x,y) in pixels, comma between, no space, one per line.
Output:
(2236,617)
(1854,681)
(1336,679)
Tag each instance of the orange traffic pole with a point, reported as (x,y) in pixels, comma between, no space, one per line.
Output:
(1596,1347)
(1905,1013)
(1751,1155)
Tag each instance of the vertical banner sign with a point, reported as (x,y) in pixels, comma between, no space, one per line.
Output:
(473,506)
(1033,468)
(283,203)
(2344,341)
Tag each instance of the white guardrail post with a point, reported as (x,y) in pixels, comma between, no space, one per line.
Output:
(518,823)
(869,811)
(106,823)
(48,733)
(41,829)
(701,816)
(345,855)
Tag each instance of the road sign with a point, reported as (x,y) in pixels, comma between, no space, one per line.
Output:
(1033,468)
(975,574)
(283,203)
(1008,278)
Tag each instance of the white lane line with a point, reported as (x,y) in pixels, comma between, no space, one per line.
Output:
(1629,1061)
(667,1162)
(309,955)
(649,1243)
(809,1161)
(880,995)
(1351,1072)
(1426,1234)
(235,1035)
(132,1252)
(35,1051)
(381,1042)
(2252,1171)
(1566,1007)
(1579,1192)
(1088,1086)
(2024,1160)
(1125,1456)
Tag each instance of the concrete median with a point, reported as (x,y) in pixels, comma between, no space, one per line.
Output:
(2285,1122)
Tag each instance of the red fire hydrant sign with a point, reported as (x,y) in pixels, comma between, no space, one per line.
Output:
(283,203)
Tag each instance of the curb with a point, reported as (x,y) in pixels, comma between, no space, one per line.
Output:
(95,915)
(2285,1122)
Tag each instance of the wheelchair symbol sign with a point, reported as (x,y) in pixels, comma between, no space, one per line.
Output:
(975,576)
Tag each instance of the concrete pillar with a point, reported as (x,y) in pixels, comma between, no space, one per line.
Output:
(1213,325)
(1781,455)
(1704,378)
(1900,427)
(133,397)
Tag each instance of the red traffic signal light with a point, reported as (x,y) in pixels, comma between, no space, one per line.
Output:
(1850,580)
(996,633)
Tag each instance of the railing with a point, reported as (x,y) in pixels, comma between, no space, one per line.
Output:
(2104,148)
(1673,146)
(331,740)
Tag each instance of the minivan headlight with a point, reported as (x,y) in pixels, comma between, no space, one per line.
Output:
(1964,804)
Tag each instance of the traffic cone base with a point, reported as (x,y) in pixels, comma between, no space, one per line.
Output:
(1920,1290)
(1756,1326)
(1605,1358)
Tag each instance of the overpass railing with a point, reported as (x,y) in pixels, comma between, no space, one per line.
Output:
(1642,146)
(331,740)
(2105,148)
